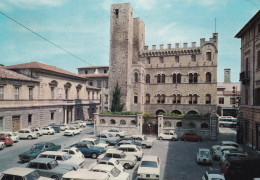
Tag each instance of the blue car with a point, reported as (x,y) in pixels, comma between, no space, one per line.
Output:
(88,150)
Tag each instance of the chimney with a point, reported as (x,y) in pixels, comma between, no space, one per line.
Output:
(227,75)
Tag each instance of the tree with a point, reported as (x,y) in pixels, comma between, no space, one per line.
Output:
(116,102)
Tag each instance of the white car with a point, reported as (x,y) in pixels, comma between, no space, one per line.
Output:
(213,176)
(204,156)
(73,151)
(37,130)
(218,153)
(22,174)
(2,145)
(170,135)
(64,127)
(89,122)
(95,142)
(48,130)
(115,132)
(82,123)
(143,140)
(12,135)
(227,143)
(27,134)
(112,171)
(74,124)
(64,158)
(111,161)
(149,168)
(127,161)
(131,149)
(85,174)
(71,131)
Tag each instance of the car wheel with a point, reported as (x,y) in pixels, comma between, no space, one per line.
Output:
(72,134)
(117,135)
(173,139)
(94,156)
(144,146)
(160,138)
(55,177)
(49,133)
(38,135)
(29,137)
(127,166)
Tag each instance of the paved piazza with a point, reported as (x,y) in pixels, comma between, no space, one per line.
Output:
(178,159)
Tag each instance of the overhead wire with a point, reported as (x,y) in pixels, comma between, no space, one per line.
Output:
(75,56)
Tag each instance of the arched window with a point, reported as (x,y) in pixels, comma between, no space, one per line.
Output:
(158,98)
(176,112)
(178,99)
(158,78)
(102,121)
(208,56)
(159,111)
(174,99)
(190,99)
(163,78)
(192,112)
(208,99)
(208,77)
(112,121)
(167,124)
(147,98)
(136,77)
(194,99)
(122,122)
(161,59)
(179,124)
(178,78)
(163,98)
(190,78)
(195,78)
(191,125)
(147,78)
(174,78)
(204,126)
(133,123)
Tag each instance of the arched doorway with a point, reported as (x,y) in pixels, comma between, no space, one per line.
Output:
(150,126)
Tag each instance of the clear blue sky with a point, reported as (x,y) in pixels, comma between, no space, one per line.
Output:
(82,27)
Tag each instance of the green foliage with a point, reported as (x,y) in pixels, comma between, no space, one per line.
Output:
(116,101)
(184,115)
(147,114)
(122,112)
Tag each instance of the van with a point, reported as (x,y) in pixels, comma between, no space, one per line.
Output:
(241,168)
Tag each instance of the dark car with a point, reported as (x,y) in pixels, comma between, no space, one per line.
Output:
(37,149)
(56,127)
(191,136)
(88,150)
(8,141)
(116,146)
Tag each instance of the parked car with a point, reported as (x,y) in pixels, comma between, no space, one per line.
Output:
(64,127)
(88,150)
(8,141)
(227,143)
(27,134)
(37,130)
(169,135)
(89,122)
(74,124)
(95,142)
(218,153)
(149,168)
(116,146)
(143,140)
(115,132)
(64,158)
(49,168)
(71,131)
(82,123)
(237,168)
(191,136)
(36,149)
(127,161)
(130,149)
(112,171)
(13,135)
(213,175)
(108,138)
(56,127)
(73,151)
(21,173)
(48,130)
(2,145)
(232,153)
(204,156)
(111,161)
(85,174)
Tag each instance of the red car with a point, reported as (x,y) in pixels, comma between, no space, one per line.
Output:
(6,140)
(190,136)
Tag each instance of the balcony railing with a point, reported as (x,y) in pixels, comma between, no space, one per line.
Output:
(244,77)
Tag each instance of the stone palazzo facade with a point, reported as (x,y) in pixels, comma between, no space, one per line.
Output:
(173,79)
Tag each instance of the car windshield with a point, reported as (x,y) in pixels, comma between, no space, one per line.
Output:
(96,141)
(72,128)
(151,164)
(66,156)
(110,135)
(32,176)
(115,172)
(205,153)
(37,147)
(90,146)
(45,128)
(123,155)
(52,164)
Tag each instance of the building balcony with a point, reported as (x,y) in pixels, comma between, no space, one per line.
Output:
(244,77)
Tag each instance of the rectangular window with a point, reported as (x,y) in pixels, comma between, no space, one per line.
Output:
(66,93)
(208,56)
(105,71)
(99,84)
(90,83)
(148,60)
(29,119)
(86,71)
(177,59)
(52,115)
(106,99)
(52,92)
(30,93)
(1,123)
(135,100)
(232,100)
(16,93)
(1,92)
(257,97)
(193,58)
(106,84)
(116,12)
(77,93)
(221,100)
(161,59)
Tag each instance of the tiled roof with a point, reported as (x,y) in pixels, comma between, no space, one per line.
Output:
(92,67)
(8,74)
(38,65)
(94,75)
